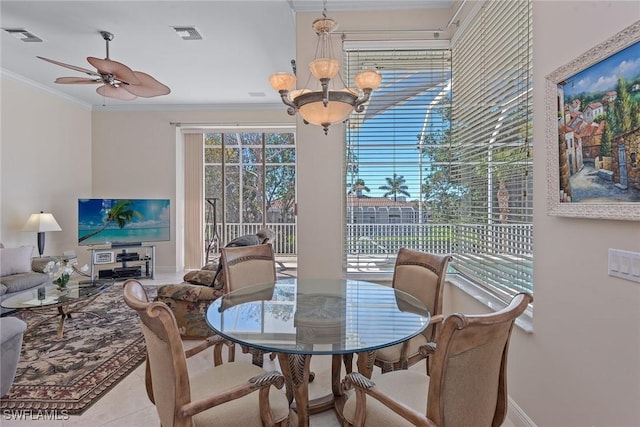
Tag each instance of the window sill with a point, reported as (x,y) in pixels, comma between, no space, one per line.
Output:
(524,322)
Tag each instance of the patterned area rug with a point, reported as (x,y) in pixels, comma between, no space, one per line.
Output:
(100,346)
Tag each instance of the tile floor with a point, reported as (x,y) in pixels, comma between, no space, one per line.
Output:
(127,405)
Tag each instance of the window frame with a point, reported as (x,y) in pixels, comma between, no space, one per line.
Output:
(482,293)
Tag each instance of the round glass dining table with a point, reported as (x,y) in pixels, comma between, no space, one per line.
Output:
(297,318)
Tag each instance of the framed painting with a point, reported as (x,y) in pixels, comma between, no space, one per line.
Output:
(593,131)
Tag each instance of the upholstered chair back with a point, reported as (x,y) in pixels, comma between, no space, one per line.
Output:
(468,386)
(422,275)
(247,266)
(166,358)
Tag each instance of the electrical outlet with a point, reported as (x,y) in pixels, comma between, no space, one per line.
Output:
(624,264)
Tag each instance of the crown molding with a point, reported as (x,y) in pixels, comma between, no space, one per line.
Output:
(33,84)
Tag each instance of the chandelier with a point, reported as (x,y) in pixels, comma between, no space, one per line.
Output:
(324,106)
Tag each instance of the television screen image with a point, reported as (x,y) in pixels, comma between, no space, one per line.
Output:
(123,221)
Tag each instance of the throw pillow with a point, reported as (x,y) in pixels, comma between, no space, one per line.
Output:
(15,260)
(200,277)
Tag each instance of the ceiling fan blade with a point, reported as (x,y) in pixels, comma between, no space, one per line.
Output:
(148,87)
(73,67)
(76,80)
(115,92)
(119,70)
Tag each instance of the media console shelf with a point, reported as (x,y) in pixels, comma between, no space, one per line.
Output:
(134,262)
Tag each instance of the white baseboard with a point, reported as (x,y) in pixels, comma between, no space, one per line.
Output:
(518,416)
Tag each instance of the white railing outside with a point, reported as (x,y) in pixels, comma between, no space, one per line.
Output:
(387,239)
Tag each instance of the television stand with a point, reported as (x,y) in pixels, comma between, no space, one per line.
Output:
(134,261)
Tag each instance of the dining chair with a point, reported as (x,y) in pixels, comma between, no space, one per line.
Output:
(244,266)
(467,386)
(231,394)
(421,275)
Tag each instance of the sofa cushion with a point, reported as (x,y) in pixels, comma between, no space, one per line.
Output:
(23,281)
(200,277)
(15,260)
(210,275)
(39,264)
(188,292)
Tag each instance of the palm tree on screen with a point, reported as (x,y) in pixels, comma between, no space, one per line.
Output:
(395,186)
(120,213)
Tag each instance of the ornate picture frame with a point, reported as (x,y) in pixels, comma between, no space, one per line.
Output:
(593,164)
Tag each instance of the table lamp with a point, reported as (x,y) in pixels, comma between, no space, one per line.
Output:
(41,222)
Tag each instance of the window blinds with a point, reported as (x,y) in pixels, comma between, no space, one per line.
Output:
(448,138)
(491,148)
(387,154)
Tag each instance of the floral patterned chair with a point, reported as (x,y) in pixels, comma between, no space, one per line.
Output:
(189,301)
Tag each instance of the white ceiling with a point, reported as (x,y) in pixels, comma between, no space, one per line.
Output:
(243,43)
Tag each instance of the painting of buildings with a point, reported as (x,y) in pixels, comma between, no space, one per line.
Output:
(599,131)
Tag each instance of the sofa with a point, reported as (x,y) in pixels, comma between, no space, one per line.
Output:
(19,271)
(11,333)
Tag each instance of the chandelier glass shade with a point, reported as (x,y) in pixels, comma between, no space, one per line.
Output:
(328,102)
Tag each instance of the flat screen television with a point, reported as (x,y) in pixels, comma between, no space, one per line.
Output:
(123,221)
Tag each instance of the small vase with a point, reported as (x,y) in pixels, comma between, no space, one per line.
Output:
(62,282)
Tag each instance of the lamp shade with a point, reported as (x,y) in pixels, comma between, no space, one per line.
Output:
(282,81)
(324,68)
(40,222)
(368,79)
(313,110)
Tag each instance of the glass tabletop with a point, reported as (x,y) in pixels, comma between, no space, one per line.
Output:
(301,316)
(50,296)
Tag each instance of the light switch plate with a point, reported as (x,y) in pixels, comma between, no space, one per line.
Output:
(624,264)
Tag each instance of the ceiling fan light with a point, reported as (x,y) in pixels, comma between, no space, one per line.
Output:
(368,79)
(324,68)
(115,68)
(282,81)
(115,92)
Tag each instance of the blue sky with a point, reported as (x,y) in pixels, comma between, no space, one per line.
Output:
(603,76)
(375,163)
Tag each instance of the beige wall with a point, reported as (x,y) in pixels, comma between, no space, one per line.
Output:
(587,324)
(46,162)
(580,367)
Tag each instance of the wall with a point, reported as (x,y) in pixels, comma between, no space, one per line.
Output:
(46,163)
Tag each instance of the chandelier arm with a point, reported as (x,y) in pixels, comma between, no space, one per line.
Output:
(284,95)
(359,104)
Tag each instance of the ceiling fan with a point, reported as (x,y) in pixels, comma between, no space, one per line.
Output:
(119,81)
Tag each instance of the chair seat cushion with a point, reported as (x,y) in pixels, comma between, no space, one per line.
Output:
(392,354)
(240,412)
(189,292)
(409,387)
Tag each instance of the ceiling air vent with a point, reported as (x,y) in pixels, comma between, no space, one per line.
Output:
(188,33)
(24,35)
